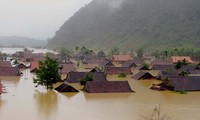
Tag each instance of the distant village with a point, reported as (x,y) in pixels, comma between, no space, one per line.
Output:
(175,73)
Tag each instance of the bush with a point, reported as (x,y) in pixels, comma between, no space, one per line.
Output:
(122,75)
(88,77)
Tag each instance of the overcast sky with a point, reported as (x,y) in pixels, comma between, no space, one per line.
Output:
(36,18)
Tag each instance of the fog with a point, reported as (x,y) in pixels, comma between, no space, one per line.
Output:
(36,18)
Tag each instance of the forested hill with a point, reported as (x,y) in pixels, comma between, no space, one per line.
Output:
(129,24)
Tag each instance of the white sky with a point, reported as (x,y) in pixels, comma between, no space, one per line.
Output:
(36,18)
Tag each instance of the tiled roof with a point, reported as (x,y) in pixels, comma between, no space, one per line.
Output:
(121,57)
(107,87)
(118,70)
(74,77)
(175,59)
(9,71)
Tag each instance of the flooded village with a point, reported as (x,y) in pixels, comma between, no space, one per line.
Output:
(118,87)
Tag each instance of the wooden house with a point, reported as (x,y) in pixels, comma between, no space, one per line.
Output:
(65,88)
(104,64)
(162,75)
(9,71)
(5,63)
(75,77)
(68,68)
(130,63)
(118,70)
(175,59)
(120,58)
(107,87)
(143,75)
(163,67)
(34,65)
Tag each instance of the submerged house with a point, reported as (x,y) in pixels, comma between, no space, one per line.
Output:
(163,67)
(118,70)
(34,65)
(65,88)
(162,75)
(120,58)
(9,71)
(5,63)
(175,59)
(181,83)
(67,68)
(142,67)
(130,63)
(107,87)
(143,75)
(75,77)
(21,66)
(105,64)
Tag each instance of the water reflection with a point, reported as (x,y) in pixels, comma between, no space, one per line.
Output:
(47,103)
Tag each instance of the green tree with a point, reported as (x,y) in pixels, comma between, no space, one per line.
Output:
(101,54)
(88,77)
(64,53)
(48,73)
(140,52)
(114,51)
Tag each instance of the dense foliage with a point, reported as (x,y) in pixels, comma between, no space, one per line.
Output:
(132,24)
(88,77)
(48,73)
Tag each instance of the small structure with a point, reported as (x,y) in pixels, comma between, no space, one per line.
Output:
(75,77)
(9,71)
(65,88)
(107,87)
(175,59)
(118,70)
(143,75)
(93,60)
(120,58)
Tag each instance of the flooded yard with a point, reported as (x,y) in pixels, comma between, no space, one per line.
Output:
(25,102)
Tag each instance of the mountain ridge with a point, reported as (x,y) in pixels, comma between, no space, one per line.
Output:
(131,24)
(21,41)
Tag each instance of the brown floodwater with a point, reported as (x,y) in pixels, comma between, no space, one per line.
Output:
(25,102)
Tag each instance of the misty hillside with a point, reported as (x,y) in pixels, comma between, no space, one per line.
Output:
(21,41)
(129,24)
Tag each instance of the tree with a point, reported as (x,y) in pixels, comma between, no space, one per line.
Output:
(101,54)
(88,77)
(140,52)
(114,51)
(48,73)
(146,65)
(64,53)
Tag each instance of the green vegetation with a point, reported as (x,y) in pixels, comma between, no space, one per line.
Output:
(88,77)
(181,51)
(122,75)
(48,73)
(148,24)
(146,65)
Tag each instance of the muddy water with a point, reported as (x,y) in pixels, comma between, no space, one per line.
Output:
(25,102)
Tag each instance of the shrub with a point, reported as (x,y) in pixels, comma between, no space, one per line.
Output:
(122,75)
